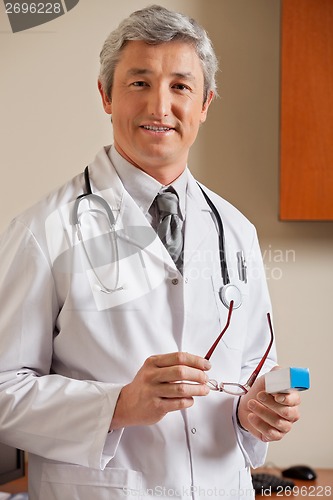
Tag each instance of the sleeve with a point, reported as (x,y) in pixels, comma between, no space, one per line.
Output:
(46,414)
(253,449)
(259,305)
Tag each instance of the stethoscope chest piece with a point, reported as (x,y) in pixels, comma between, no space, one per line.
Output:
(230,293)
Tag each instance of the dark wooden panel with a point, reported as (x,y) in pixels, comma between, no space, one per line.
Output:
(306,170)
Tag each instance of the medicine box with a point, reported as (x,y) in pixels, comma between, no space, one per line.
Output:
(285,379)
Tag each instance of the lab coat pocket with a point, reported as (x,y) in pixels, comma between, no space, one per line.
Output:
(73,482)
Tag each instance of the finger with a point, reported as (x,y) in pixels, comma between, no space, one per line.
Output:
(263,430)
(182,390)
(270,419)
(180,373)
(287,411)
(180,358)
(293,398)
(175,404)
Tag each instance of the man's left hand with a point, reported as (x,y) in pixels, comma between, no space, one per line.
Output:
(268,416)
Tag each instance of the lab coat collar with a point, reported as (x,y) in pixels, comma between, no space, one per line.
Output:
(104,179)
(129,217)
(142,187)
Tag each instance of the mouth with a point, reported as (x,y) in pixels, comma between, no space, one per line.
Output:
(157,128)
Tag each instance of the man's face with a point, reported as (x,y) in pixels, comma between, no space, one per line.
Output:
(157,105)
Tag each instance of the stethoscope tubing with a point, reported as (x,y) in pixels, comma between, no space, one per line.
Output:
(228,292)
(223,259)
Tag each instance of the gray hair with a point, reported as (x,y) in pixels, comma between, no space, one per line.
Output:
(155,25)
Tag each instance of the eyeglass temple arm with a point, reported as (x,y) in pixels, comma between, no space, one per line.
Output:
(212,349)
(256,372)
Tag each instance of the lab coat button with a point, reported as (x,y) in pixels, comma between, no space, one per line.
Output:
(175,281)
(193,430)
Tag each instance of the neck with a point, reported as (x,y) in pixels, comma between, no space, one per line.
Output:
(162,176)
(164,173)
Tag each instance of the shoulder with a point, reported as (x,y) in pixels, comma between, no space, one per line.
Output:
(65,195)
(35,216)
(234,221)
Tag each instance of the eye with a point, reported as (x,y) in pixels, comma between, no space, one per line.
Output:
(181,86)
(139,84)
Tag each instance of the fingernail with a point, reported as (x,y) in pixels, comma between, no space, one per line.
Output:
(251,405)
(280,398)
(262,396)
(207,365)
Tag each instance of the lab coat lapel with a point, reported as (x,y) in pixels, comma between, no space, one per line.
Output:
(198,223)
(198,214)
(131,222)
(140,233)
(105,181)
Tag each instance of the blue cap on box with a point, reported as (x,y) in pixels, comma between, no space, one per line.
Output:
(299,378)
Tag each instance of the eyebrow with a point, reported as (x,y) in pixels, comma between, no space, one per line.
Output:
(143,71)
(138,71)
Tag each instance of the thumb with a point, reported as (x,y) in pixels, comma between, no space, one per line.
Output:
(260,383)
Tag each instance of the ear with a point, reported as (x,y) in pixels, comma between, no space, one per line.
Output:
(107,105)
(205,106)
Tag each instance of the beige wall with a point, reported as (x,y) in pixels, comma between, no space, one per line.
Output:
(52,124)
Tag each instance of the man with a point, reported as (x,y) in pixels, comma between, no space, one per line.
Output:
(105,325)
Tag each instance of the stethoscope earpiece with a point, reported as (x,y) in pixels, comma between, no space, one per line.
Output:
(230,293)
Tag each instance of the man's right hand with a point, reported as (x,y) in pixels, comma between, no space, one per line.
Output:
(165,382)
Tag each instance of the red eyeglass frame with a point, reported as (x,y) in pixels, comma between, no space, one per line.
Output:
(241,389)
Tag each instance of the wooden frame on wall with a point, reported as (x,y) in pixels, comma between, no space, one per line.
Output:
(306,141)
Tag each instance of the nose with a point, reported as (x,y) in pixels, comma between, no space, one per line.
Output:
(159,102)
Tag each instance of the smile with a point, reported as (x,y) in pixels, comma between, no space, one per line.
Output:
(155,128)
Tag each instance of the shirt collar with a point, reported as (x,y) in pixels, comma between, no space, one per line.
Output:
(142,187)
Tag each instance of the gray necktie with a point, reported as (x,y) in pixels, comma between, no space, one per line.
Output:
(169,229)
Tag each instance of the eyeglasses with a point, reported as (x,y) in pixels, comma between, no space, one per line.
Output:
(230,387)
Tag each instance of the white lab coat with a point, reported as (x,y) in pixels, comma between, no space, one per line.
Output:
(67,348)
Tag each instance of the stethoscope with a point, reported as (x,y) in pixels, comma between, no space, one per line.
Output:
(112,232)
(229,293)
